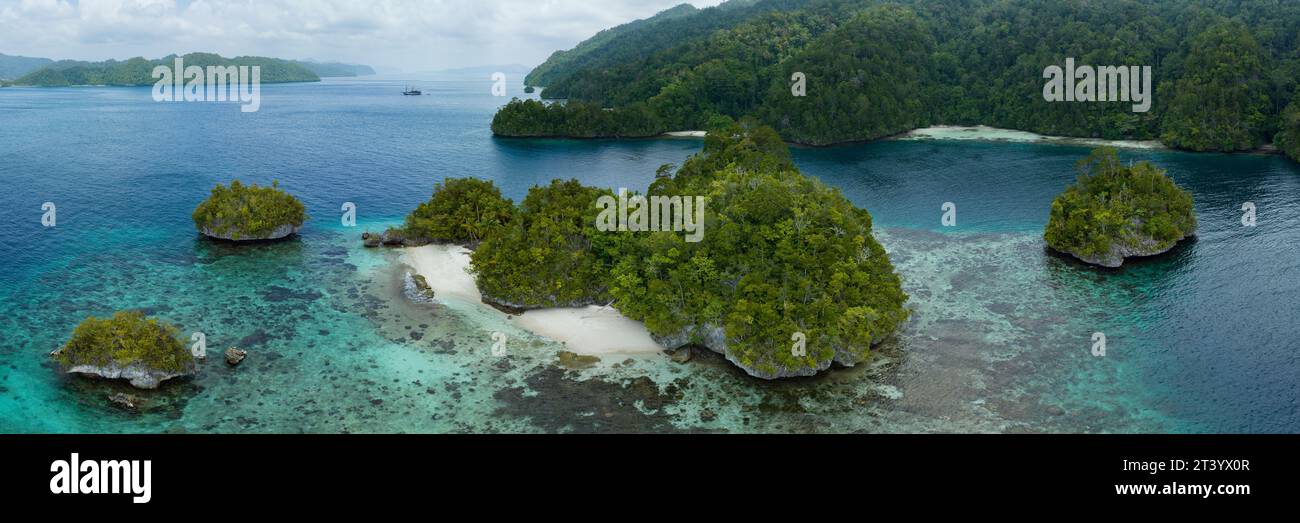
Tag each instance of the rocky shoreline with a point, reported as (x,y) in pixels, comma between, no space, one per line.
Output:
(279,233)
(1119,252)
(138,375)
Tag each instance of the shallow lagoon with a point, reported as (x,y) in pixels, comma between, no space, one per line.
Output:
(1203,339)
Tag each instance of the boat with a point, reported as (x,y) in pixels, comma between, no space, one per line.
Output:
(412,92)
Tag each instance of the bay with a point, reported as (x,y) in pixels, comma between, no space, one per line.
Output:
(1204,339)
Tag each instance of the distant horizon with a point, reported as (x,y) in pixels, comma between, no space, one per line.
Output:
(390,35)
(378,69)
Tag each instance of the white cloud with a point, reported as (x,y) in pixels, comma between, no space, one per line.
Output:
(410,34)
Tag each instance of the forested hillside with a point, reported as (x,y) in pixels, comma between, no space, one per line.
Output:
(139,71)
(563,60)
(1224,71)
(14,66)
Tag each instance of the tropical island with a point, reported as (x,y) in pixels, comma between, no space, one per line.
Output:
(139,71)
(127,346)
(1225,74)
(786,258)
(1116,212)
(249,213)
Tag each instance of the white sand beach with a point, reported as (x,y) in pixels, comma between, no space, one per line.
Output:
(591,330)
(686,134)
(983,132)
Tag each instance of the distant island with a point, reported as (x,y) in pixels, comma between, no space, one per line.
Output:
(12,67)
(139,71)
(1224,80)
(1117,211)
(336,69)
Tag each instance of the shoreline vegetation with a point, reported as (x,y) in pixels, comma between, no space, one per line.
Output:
(548,264)
(1224,75)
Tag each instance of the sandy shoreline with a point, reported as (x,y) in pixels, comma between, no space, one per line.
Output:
(588,330)
(986,133)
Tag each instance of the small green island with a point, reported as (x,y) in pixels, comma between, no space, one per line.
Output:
(242,213)
(128,346)
(1116,212)
(787,280)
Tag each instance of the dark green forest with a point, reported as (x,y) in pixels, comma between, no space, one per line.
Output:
(1225,72)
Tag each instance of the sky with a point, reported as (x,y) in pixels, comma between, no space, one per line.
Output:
(406,35)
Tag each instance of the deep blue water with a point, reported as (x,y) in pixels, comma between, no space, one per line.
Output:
(1203,339)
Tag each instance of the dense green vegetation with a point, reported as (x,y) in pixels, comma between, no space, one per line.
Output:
(1288,139)
(461,210)
(550,254)
(531,118)
(878,75)
(781,254)
(1116,211)
(784,254)
(12,67)
(561,59)
(126,339)
(1221,102)
(248,212)
(139,71)
(1224,70)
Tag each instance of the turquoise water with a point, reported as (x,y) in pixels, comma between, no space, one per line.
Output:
(1204,339)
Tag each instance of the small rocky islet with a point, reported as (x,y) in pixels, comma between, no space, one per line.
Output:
(1118,211)
(248,213)
(127,346)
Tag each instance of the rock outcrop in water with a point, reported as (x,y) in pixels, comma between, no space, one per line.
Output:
(394,237)
(127,346)
(1116,212)
(235,355)
(243,213)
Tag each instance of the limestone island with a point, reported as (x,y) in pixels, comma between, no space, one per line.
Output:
(1116,212)
(127,346)
(243,213)
(778,273)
